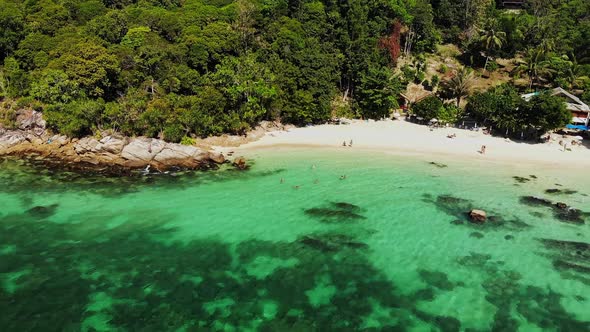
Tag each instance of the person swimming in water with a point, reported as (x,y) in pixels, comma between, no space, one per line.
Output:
(342,177)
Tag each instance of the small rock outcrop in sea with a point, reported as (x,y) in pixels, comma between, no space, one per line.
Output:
(561,205)
(477,216)
(240,163)
(111,149)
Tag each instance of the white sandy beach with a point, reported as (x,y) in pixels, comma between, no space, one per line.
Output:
(403,137)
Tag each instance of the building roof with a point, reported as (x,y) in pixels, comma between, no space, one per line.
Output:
(415,92)
(573,103)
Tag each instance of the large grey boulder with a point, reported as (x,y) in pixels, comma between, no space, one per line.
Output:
(59,140)
(176,152)
(111,144)
(142,149)
(11,138)
(86,145)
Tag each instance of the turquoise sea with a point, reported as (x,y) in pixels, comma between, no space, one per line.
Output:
(305,240)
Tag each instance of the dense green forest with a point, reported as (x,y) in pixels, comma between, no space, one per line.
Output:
(182,68)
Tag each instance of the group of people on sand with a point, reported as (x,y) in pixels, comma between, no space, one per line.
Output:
(349,143)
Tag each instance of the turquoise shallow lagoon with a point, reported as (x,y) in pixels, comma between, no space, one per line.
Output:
(290,245)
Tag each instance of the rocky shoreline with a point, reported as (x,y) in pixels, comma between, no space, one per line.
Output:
(117,153)
(111,151)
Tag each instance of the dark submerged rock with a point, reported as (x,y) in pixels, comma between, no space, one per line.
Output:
(535,201)
(439,165)
(570,215)
(336,212)
(436,279)
(346,206)
(240,163)
(426,294)
(474,259)
(333,215)
(521,179)
(561,192)
(508,237)
(566,245)
(565,265)
(476,235)
(42,211)
(561,211)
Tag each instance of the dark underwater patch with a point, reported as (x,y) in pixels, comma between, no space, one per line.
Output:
(150,281)
(42,211)
(439,165)
(444,323)
(521,179)
(17,175)
(336,212)
(567,246)
(346,206)
(476,235)
(570,258)
(535,201)
(561,211)
(565,265)
(436,279)
(426,294)
(459,208)
(505,290)
(557,191)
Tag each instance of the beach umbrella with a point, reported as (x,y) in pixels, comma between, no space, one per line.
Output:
(433,120)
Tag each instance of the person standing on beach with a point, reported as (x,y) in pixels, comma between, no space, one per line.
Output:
(483,149)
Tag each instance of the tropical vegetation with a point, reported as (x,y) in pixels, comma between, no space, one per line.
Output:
(179,69)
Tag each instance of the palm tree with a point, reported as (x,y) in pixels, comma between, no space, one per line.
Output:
(534,64)
(574,74)
(491,39)
(459,85)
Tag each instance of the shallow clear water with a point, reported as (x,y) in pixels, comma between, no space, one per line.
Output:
(387,248)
